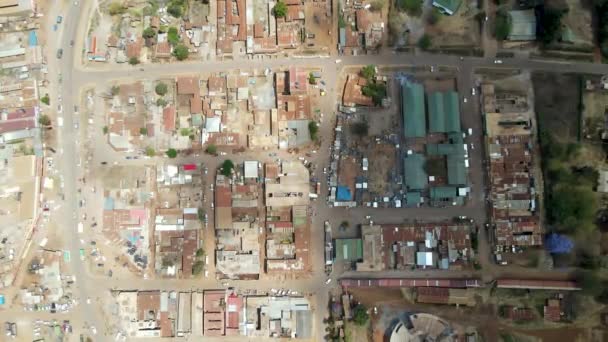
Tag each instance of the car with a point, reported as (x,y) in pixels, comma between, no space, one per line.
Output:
(59,53)
(328,281)
(59,19)
(473,92)
(59,109)
(75,125)
(71,43)
(497,61)
(94,330)
(338,61)
(470,131)
(104,163)
(465,100)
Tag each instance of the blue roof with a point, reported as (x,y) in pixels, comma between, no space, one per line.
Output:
(33,38)
(108,203)
(342,40)
(1,299)
(343,194)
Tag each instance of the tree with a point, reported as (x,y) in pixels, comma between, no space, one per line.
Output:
(149,33)
(200,253)
(360,128)
(201,214)
(133,60)
(171,153)
(143,131)
(368,72)
(115,90)
(180,52)
(424,42)
(312,79)
(377,91)
(360,315)
(411,7)
(551,25)
(173,36)
(589,281)
(45,99)
(572,207)
(211,149)
(161,102)
(227,167)
(116,8)
(376,5)
(105,129)
(184,132)
(280,9)
(433,17)
(198,267)
(313,129)
(175,10)
(502,25)
(161,89)
(150,152)
(44,120)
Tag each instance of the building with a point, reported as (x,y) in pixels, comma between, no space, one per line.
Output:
(444,112)
(413,110)
(438,295)
(523,25)
(348,250)
(448,7)
(415,174)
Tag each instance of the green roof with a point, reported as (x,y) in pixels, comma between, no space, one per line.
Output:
(436,112)
(444,112)
(444,149)
(412,106)
(452,111)
(443,192)
(415,175)
(412,198)
(349,249)
(447,6)
(457,171)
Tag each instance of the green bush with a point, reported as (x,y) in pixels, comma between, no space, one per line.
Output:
(161,89)
(368,72)
(173,36)
(143,131)
(502,25)
(360,315)
(551,25)
(411,7)
(116,8)
(280,9)
(175,10)
(198,267)
(150,152)
(181,52)
(149,33)
(44,120)
(227,167)
(377,91)
(171,153)
(424,42)
(133,60)
(211,149)
(46,100)
(313,129)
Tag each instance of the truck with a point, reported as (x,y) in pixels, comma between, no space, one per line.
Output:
(329,261)
(81,252)
(60,121)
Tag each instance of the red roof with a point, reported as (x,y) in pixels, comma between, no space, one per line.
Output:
(17,125)
(189,167)
(169,119)
(21,113)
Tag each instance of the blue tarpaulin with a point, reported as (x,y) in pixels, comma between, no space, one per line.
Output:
(33,38)
(1,299)
(343,194)
(558,244)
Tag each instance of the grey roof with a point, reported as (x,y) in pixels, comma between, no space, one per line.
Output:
(523,25)
(412,107)
(415,175)
(303,324)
